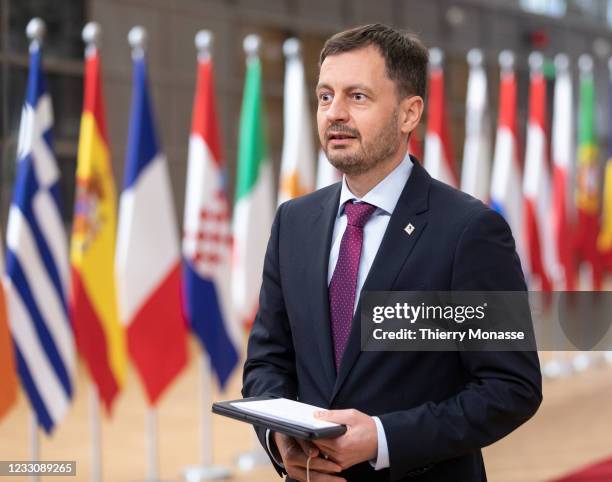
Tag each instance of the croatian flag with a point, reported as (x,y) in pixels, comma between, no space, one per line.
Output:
(537,184)
(506,179)
(207,238)
(37,266)
(147,262)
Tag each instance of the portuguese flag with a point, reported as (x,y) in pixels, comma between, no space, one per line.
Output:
(587,182)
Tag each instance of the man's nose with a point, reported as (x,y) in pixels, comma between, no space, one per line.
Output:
(337,111)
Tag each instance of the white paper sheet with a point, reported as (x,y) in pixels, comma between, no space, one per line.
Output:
(285,410)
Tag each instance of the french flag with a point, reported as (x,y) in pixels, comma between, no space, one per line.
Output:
(207,237)
(537,184)
(506,181)
(147,262)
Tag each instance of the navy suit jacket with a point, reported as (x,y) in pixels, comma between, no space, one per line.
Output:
(438,409)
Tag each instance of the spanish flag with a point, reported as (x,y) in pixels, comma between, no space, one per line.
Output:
(604,242)
(99,335)
(8,373)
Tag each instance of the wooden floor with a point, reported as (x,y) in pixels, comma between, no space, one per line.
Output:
(572,428)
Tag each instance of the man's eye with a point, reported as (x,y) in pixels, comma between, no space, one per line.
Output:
(325,97)
(359,96)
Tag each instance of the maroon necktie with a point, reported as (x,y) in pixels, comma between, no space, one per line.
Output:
(343,285)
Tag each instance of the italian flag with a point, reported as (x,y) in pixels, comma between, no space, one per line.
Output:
(253,210)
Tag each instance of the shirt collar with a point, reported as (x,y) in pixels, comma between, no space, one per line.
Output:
(385,194)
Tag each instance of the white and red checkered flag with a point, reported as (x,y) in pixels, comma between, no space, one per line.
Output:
(207,238)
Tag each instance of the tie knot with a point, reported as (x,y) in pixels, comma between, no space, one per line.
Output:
(358,213)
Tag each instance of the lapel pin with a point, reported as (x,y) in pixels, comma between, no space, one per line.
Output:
(409,229)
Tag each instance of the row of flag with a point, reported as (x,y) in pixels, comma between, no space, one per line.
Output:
(559,205)
(129,288)
(123,287)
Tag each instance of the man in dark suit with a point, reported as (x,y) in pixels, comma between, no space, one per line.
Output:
(417,416)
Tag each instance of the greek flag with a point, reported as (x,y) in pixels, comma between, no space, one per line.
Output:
(37,267)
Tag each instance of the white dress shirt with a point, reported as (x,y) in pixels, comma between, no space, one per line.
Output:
(384,196)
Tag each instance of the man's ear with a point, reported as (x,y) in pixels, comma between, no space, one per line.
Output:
(411,110)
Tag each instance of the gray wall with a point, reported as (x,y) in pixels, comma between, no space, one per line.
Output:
(456,26)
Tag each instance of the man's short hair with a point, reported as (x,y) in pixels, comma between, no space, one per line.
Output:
(405,55)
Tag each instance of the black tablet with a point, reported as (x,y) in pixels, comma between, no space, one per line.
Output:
(292,429)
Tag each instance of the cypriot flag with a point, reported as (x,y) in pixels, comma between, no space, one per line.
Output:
(297,167)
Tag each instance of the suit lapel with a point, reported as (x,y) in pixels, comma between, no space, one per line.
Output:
(321,232)
(392,254)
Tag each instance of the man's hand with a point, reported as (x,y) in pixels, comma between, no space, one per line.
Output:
(358,444)
(294,453)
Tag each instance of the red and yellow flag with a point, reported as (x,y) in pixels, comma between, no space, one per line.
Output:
(99,335)
(604,242)
(8,374)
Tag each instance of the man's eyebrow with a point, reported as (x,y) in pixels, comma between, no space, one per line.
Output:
(358,87)
(346,89)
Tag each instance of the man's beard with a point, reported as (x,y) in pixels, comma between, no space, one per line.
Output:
(369,155)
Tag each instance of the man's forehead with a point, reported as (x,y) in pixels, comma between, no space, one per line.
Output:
(363,63)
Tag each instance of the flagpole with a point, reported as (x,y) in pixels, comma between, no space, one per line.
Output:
(34,443)
(152,445)
(206,418)
(206,470)
(152,463)
(96,448)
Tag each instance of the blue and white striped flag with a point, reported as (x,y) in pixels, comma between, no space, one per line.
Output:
(37,266)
